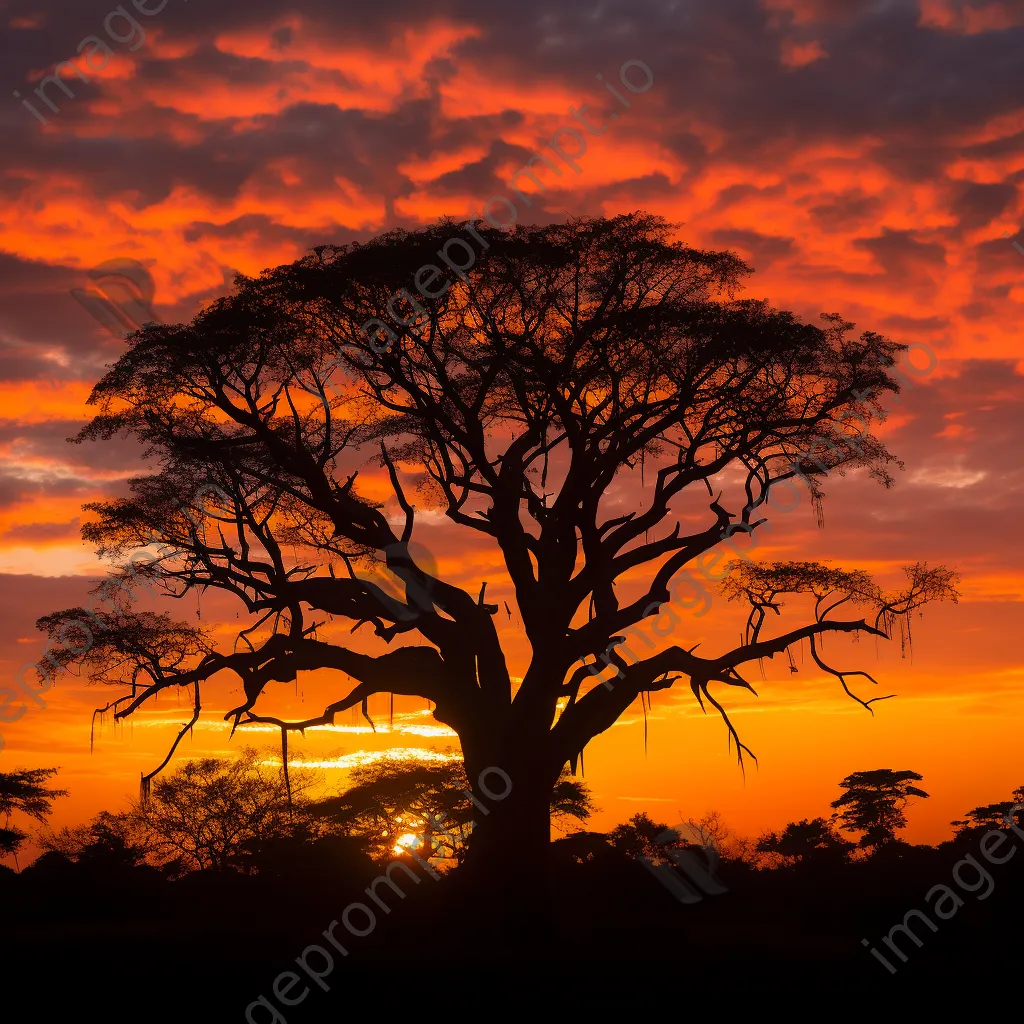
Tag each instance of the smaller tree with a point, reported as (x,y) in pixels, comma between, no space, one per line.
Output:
(210,813)
(658,844)
(394,803)
(712,833)
(571,802)
(986,817)
(24,791)
(874,804)
(989,816)
(813,843)
(391,803)
(641,837)
(111,840)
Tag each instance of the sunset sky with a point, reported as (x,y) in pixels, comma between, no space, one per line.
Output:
(864,156)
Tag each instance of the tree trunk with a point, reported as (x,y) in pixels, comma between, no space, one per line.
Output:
(506,872)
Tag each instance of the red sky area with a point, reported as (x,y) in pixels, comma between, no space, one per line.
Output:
(864,158)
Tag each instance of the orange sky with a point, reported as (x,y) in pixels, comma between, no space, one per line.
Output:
(864,158)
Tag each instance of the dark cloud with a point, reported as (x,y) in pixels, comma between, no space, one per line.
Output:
(915,325)
(51,440)
(761,249)
(40,321)
(267,228)
(885,74)
(737,193)
(979,204)
(24,598)
(35,533)
(900,254)
(16,488)
(849,210)
(910,88)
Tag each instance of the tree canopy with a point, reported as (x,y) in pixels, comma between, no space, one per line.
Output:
(874,804)
(514,400)
(24,791)
(989,816)
(641,836)
(813,843)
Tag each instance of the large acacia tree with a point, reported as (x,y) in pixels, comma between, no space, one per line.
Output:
(516,400)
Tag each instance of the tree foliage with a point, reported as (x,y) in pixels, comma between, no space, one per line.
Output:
(990,816)
(640,836)
(874,804)
(209,814)
(24,791)
(114,840)
(813,843)
(429,801)
(567,359)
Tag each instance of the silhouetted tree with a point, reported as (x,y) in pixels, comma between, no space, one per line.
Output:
(712,832)
(209,812)
(812,843)
(985,817)
(570,802)
(526,399)
(115,840)
(429,800)
(26,792)
(642,837)
(390,799)
(874,802)
(989,816)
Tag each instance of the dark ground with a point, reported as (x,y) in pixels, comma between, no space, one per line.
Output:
(100,943)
